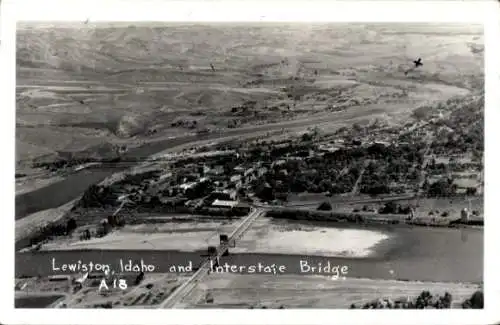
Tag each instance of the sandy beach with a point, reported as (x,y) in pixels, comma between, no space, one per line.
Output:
(265,236)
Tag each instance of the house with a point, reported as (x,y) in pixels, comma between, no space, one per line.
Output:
(249,175)
(232,194)
(165,176)
(239,170)
(236,181)
(328,148)
(383,143)
(261,171)
(216,170)
(225,204)
(186,186)
(225,195)
(206,169)
(249,171)
(278,162)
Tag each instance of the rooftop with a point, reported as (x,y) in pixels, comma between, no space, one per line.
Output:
(223,203)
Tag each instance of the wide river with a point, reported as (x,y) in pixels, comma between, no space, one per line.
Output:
(419,253)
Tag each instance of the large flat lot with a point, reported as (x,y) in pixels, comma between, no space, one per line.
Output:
(299,291)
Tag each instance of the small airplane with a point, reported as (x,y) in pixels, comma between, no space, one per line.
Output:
(418,62)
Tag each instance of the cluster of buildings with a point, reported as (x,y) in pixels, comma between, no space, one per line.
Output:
(216,180)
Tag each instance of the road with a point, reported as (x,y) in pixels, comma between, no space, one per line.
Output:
(355,189)
(423,172)
(184,290)
(351,200)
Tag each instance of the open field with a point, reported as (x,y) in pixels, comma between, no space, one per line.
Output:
(80,89)
(300,291)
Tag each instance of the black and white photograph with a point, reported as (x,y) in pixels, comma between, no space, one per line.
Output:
(249,165)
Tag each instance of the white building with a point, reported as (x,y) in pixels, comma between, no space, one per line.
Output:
(224,204)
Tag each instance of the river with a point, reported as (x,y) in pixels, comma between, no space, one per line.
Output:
(419,253)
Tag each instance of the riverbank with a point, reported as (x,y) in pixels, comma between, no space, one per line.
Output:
(265,236)
(370,218)
(30,226)
(271,236)
(425,254)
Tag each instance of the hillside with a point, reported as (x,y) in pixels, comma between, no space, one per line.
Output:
(80,87)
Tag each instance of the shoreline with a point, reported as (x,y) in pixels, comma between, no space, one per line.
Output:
(26,231)
(370,218)
(279,239)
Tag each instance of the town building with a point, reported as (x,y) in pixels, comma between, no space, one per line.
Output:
(224,204)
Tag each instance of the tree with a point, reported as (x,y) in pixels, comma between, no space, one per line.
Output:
(471,191)
(112,220)
(389,208)
(139,278)
(306,137)
(476,301)
(86,234)
(325,185)
(70,226)
(447,299)
(442,188)
(104,229)
(325,206)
